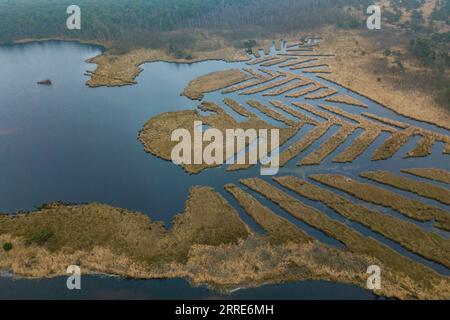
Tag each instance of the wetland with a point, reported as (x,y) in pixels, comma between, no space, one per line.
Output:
(87,164)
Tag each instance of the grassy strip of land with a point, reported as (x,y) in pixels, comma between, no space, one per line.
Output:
(262,60)
(371,132)
(261,79)
(213,81)
(297,62)
(238,108)
(424,189)
(409,207)
(301,145)
(321,94)
(318,71)
(411,237)
(287,77)
(363,122)
(423,148)
(278,229)
(276,61)
(392,144)
(319,112)
(430,173)
(309,65)
(387,121)
(313,88)
(157,132)
(402,276)
(318,155)
(300,82)
(348,100)
(304,118)
(270,113)
(359,145)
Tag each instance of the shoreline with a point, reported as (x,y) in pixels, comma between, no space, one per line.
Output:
(192,286)
(116,70)
(127,67)
(132,246)
(237,238)
(102,44)
(397,112)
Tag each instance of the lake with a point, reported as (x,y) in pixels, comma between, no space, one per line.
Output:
(68,142)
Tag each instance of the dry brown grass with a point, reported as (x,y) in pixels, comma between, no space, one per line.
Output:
(423,148)
(207,244)
(350,68)
(296,62)
(418,187)
(430,173)
(279,230)
(326,148)
(407,206)
(309,65)
(304,143)
(346,99)
(287,77)
(416,280)
(426,244)
(300,82)
(83,227)
(371,132)
(358,146)
(270,112)
(318,71)
(213,81)
(276,61)
(122,69)
(354,70)
(238,108)
(315,87)
(387,121)
(304,118)
(261,79)
(321,94)
(262,60)
(157,132)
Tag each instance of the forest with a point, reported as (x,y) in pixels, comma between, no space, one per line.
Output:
(176,25)
(146,22)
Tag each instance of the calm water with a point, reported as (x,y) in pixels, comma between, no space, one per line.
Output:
(75,144)
(101,287)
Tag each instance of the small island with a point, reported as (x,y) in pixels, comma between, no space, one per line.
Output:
(46,82)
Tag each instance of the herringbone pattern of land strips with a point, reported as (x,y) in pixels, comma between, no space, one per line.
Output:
(399,217)
(287,78)
(287,193)
(354,176)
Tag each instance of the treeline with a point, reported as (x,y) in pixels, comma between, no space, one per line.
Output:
(429,46)
(442,12)
(432,51)
(147,22)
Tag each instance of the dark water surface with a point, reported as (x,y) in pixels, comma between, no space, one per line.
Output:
(71,143)
(102,287)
